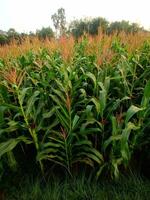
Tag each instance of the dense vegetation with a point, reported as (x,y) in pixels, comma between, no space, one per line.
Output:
(77,105)
(79,188)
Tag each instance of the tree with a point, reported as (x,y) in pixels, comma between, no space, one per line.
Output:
(3,39)
(135,28)
(123,26)
(45,33)
(12,34)
(96,24)
(78,27)
(59,21)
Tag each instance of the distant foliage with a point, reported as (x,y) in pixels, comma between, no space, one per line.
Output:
(3,39)
(79,27)
(124,26)
(93,26)
(9,36)
(45,33)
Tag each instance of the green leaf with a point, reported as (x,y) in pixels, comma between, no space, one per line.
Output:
(97,104)
(103,99)
(114,125)
(60,105)
(125,151)
(50,113)
(99,172)
(92,77)
(12,126)
(110,140)
(22,94)
(75,121)
(107,83)
(131,111)
(10,144)
(146,96)
(83,142)
(53,145)
(89,155)
(115,164)
(31,102)
(147,90)
(60,95)
(2,110)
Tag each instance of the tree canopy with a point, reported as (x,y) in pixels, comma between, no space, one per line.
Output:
(45,33)
(59,21)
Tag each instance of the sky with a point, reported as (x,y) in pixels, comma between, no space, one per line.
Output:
(29,15)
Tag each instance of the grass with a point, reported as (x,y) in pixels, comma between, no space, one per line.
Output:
(80,188)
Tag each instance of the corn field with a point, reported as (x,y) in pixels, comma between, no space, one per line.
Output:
(76,103)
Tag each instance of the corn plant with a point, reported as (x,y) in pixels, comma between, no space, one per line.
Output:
(76,111)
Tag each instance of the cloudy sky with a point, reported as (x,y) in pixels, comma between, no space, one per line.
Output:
(29,15)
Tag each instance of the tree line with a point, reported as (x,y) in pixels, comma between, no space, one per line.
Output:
(77,28)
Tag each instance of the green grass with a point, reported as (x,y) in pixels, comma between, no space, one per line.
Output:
(80,188)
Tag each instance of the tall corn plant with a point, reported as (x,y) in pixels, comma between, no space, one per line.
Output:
(9,125)
(126,133)
(69,144)
(24,101)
